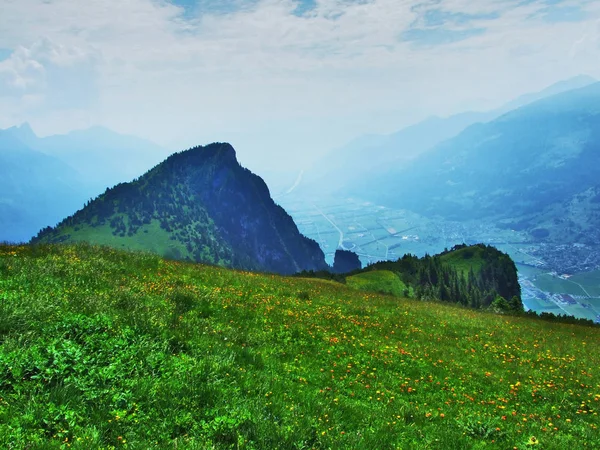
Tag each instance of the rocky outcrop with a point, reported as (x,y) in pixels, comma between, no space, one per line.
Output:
(346,261)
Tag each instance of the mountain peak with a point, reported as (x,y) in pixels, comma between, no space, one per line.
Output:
(199,155)
(578,80)
(223,148)
(582,100)
(23,132)
(25,127)
(199,204)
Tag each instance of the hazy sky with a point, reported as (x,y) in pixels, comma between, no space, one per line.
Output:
(282,80)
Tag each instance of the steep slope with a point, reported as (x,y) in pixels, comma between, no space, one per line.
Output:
(36,190)
(375,154)
(107,349)
(199,205)
(530,163)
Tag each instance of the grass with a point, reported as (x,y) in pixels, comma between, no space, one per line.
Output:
(150,237)
(465,259)
(381,281)
(107,349)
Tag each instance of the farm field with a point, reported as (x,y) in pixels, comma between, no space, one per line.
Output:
(589,280)
(377,233)
(107,349)
(550,283)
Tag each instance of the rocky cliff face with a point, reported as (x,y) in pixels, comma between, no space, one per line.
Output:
(345,261)
(199,205)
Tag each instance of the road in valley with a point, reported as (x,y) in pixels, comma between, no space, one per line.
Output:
(341,241)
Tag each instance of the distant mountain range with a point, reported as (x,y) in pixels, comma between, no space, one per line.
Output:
(536,168)
(376,154)
(101,156)
(35,189)
(198,205)
(42,180)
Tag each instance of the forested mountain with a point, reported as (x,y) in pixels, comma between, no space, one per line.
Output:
(535,166)
(198,205)
(43,180)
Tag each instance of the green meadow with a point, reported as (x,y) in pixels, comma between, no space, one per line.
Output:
(101,348)
(380,281)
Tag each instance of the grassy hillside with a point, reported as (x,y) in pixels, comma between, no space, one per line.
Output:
(151,237)
(469,275)
(107,349)
(464,259)
(381,281)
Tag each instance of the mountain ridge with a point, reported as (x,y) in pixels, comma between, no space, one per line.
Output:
(36,189)
(102,157)
(200,205)
(526,162)
(338,169)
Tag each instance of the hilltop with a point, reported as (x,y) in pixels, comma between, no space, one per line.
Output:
(198,205)
(101,348)
(478,276)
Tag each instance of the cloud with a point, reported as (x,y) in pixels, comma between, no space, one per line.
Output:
(437,36)
(321,71)
(61,76)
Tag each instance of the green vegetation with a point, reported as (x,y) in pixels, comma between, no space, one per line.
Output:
(197,205)
(381,281)
(552,283)
(465,258)
(150,237)
(102,348)
(590,281)
(156,212)
(478,276)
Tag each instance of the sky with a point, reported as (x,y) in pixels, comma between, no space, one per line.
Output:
(284,81)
